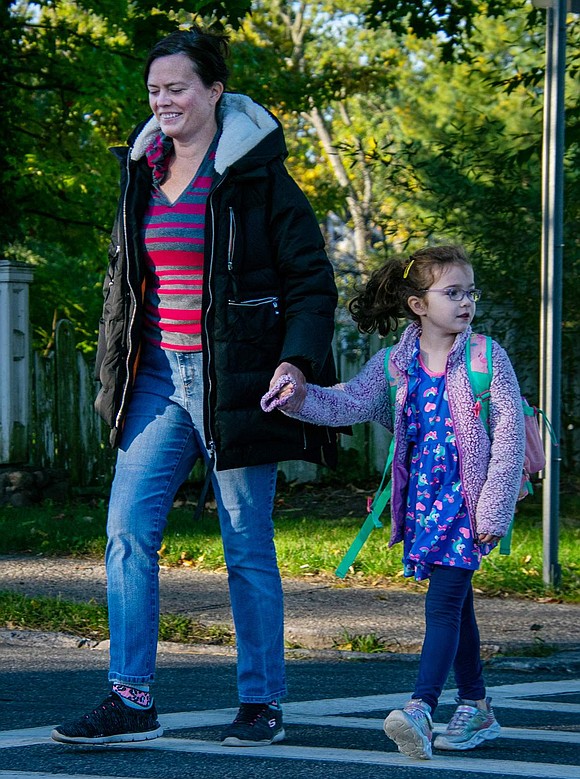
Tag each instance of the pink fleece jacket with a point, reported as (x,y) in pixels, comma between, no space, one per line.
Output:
(490,466)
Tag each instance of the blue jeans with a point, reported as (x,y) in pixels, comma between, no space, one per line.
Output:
(162,438)
(451,638)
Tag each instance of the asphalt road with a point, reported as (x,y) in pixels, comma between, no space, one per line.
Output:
(333,718)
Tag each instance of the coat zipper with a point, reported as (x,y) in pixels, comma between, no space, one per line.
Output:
(132,318)
(210,443)
(231,248)
(232,239)
(255,302)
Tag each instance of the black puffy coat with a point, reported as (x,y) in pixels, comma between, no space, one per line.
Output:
(269,294)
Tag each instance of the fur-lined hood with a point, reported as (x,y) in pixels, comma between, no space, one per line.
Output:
(245,126)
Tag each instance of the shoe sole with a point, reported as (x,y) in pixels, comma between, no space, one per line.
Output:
(234,741)
(117,738)
(489,734)
(407,739)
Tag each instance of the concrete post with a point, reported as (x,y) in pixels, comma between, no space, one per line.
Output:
(15,278)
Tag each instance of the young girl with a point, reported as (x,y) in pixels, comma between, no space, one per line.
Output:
(454,485)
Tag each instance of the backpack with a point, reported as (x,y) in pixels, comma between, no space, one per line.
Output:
(478,351)
(479,368)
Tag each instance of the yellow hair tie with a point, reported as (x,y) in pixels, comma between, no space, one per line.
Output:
(407,269)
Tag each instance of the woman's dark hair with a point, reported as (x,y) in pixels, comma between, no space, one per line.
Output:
(383,301)
(206,50)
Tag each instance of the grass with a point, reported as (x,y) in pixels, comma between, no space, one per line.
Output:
(89,620)
(19,612)
(369,643)
(308,546)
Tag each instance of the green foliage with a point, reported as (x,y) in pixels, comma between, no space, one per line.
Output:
(409,146)
(309,542)
(177,628)
(393,139)
(454,153)
(90,620)
(369,643)
(73,70)
(19,612)
(454,23)
(53,530)
(62,179)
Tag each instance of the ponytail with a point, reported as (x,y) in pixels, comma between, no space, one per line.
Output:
(378,307)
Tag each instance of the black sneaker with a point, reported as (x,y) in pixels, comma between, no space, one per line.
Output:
(111,722)
(255,724)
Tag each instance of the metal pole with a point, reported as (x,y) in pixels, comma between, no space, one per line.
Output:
(547,146)
(552,263)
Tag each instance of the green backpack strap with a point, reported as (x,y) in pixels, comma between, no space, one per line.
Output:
(505,543)
(392,379)
(479,369)
(382,495)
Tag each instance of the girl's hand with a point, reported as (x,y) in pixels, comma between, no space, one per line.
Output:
(287,389)
(487,538)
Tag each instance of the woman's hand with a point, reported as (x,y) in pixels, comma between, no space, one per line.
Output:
(293,394)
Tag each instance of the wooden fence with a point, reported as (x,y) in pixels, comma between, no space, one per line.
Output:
(66,433)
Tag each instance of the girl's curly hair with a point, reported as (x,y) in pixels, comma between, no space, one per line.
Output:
(384,300)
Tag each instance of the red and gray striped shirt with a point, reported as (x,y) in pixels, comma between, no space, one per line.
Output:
(173,234)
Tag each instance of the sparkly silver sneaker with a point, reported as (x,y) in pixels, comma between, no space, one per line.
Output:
(469,727)
(411,728)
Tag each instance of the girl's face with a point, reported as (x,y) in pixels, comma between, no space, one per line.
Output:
(184,107)
(437,311)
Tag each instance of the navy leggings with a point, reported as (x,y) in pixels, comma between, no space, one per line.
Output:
(451,638)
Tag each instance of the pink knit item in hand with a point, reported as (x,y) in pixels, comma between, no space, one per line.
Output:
(270,400)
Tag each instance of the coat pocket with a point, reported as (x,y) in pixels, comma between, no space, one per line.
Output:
(254,319)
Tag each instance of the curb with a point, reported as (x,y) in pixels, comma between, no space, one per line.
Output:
(566,657)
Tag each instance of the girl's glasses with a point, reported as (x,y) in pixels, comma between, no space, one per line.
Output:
(457,295)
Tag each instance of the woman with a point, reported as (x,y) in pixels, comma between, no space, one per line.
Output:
(218,284)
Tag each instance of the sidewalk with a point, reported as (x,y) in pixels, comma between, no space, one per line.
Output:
(320,614)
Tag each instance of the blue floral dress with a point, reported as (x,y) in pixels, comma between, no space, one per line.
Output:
(437,526)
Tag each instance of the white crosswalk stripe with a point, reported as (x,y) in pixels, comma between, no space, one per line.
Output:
(336,713)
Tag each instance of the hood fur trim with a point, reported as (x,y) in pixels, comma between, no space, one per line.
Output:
(244,124)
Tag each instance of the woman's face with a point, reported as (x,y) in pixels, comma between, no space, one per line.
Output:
(184,107)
